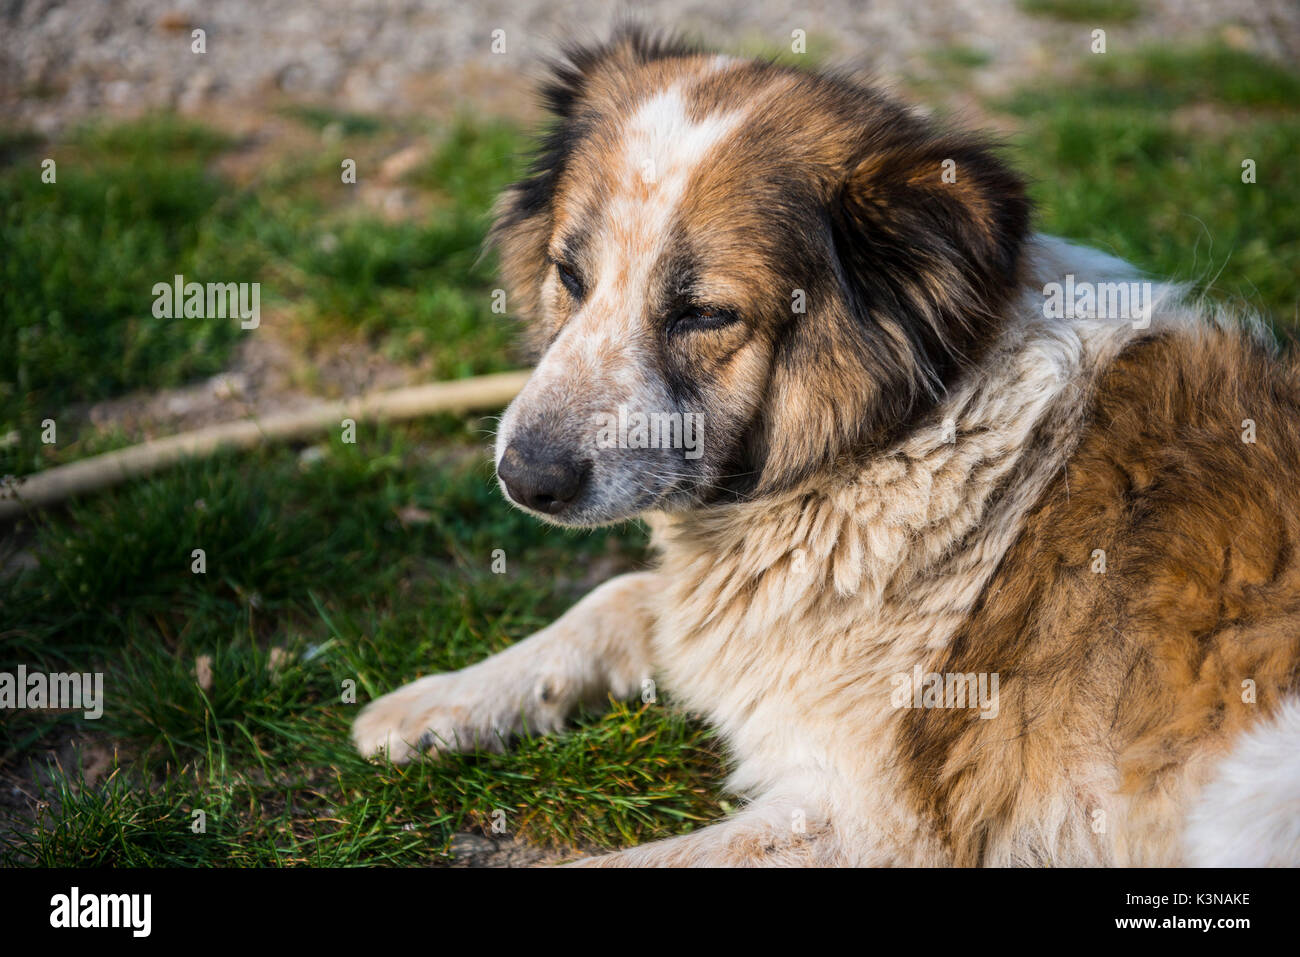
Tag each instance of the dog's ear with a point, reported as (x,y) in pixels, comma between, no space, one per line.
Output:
(522,217)
(925,232)
(929,229)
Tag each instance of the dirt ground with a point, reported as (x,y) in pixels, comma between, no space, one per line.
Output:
(63,60)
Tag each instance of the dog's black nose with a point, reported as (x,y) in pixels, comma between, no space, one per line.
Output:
(542,481)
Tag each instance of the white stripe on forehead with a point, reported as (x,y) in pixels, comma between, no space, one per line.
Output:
(662,146)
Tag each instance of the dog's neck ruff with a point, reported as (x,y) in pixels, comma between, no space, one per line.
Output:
(935,513)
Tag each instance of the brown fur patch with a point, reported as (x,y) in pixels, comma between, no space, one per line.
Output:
(1139,668)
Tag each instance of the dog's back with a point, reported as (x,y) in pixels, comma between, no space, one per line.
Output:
(1146,618)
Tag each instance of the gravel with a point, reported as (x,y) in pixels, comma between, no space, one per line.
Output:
(62,61)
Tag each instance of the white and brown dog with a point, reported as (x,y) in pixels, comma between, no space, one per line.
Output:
(962,577)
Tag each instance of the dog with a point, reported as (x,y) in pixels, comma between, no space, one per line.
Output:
(974,563)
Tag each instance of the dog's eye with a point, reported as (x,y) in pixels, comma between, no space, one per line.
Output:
(570,280)
(702,319)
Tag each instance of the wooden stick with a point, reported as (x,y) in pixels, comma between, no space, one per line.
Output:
(100,471)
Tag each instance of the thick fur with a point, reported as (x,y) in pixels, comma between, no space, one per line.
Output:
(919,472)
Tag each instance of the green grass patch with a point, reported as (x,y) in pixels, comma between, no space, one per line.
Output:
(370,565)
(960,57)
(418,290)
(1084,11)
(131,206)
(1168,77)
(323,118)
(136,204)
(422,290)
(1126,171)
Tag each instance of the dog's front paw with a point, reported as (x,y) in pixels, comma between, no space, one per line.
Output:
(446,712)
(477,708)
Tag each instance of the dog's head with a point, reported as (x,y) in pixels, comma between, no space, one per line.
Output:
(734,272)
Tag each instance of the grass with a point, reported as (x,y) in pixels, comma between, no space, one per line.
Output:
(1137,158)
(422,289)
(365,565)
(1162,78)
(1084,11)
(135,204)
(129,207)
(345,123)
(314,581)
(960,58)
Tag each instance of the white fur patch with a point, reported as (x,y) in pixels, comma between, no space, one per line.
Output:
(662,147)
(1249,813)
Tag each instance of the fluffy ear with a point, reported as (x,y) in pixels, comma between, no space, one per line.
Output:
(925,233)
(522,217)
(929,229)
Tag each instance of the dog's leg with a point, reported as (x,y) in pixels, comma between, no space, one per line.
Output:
(600,646)
(768,833)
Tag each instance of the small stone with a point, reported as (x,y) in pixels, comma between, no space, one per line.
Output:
(203,671)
